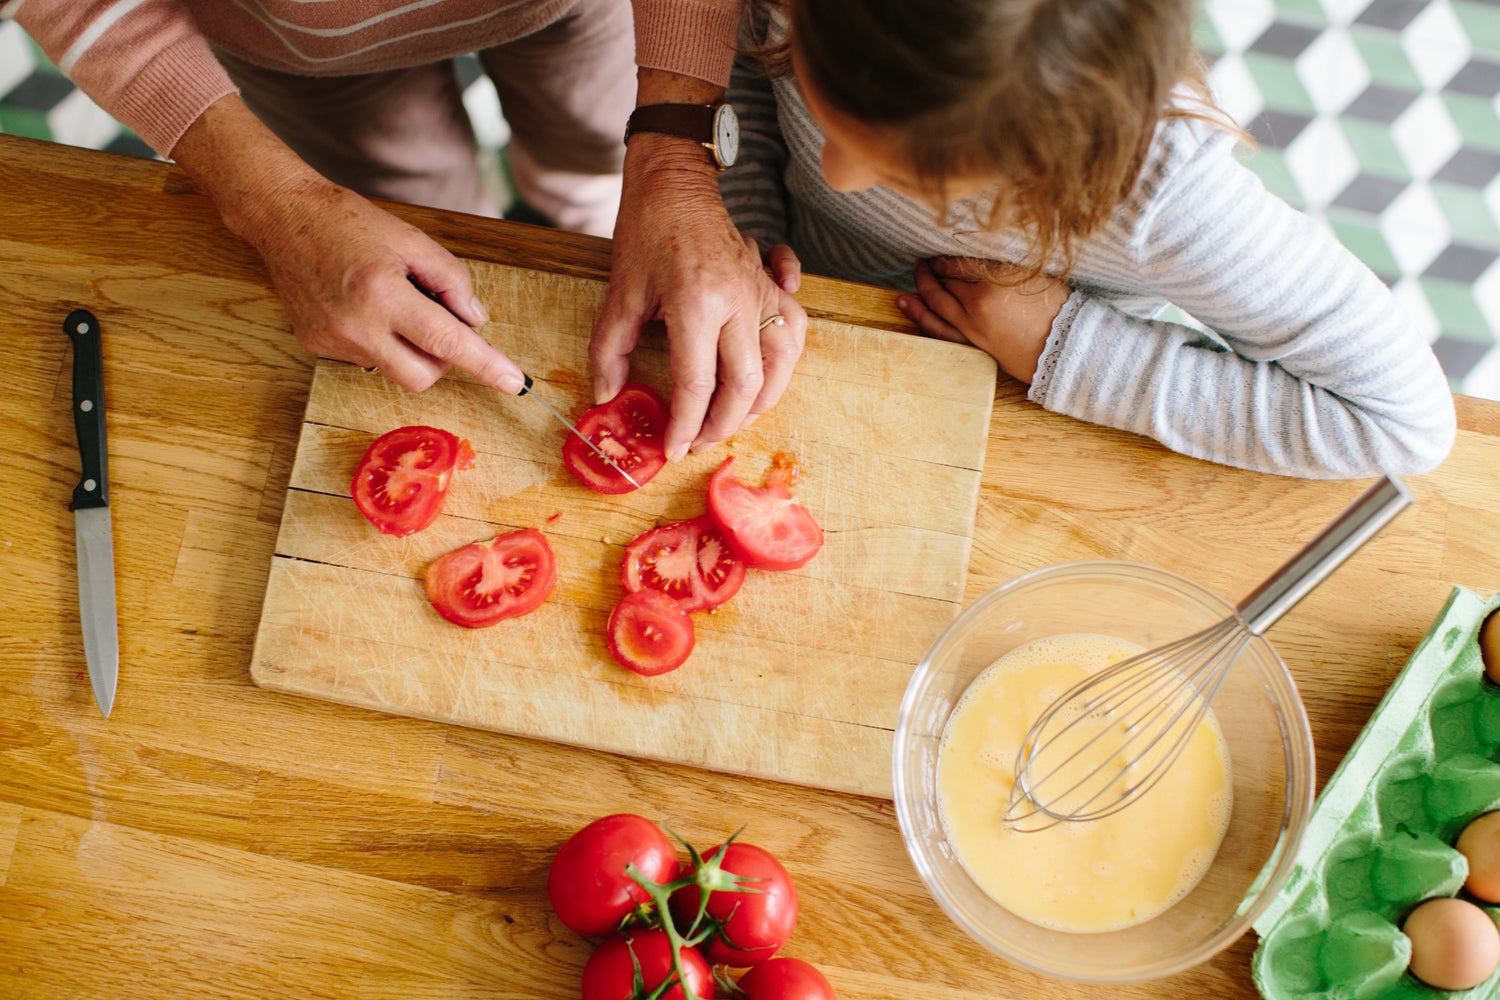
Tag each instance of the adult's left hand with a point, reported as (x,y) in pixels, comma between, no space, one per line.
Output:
(677,257)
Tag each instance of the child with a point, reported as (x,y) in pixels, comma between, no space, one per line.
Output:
(1041,175)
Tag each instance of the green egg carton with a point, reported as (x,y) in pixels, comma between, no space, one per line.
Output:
(1380,837)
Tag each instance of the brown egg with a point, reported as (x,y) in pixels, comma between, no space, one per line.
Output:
(1454,944)
(1480,846)
(1489,646)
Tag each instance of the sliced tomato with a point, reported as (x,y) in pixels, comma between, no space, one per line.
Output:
(689,561)
(650,633)
(765,525)
(630,429)
(487,582)
(403,479)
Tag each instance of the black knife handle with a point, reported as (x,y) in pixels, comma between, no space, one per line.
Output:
(88,409)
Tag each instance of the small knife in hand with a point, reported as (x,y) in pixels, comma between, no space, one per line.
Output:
(528,389)
(91,521)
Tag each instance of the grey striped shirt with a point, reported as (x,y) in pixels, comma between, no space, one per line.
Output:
(1311,368)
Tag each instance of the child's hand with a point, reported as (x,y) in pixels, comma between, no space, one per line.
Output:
(983,302)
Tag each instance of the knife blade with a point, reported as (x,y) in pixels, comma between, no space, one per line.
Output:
(527,388)
(93,530)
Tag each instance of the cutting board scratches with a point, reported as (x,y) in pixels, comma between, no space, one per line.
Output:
(798,678)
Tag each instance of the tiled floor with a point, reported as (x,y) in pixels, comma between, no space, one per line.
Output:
(1379,117)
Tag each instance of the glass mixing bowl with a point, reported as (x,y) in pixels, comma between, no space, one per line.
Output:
(1258,710)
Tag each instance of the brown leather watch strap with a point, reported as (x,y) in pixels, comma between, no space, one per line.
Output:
(687,121)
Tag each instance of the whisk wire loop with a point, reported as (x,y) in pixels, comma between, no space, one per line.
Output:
(1160,697)
(1153,691)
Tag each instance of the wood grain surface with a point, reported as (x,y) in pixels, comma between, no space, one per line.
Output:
(216,840)
(797,678)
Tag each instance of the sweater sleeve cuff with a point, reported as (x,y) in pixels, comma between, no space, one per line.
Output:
(694,39)
(169,94)
(1046,365)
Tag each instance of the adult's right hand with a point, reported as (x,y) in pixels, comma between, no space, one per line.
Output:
(342,265)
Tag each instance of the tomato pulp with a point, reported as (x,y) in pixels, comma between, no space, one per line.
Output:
(486,582)
(689,561)
(650,633)
(402,480)
(631,429)
(588,887)
(765,525)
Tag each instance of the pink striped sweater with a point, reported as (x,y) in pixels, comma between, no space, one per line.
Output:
(148,62)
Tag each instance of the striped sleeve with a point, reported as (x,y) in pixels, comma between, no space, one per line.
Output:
(753,189)
(1323,376)
(143,61)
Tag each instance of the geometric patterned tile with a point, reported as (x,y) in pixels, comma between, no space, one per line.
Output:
(1381,103)
(1436,43)
(1371,195)
(1392,15)
(1277,128)
(1480,77)
(1477,119)
(1426,136)
(1331,69)
(1388,62)
(1469,218)
(1360,234)
(1461,264)
(1481,22)
(1454,305)
(1458,357)
(1483,379)
(16,60)
(1322,162)
(1414,227)
(1375,148)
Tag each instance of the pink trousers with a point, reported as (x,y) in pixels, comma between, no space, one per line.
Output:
(565,92)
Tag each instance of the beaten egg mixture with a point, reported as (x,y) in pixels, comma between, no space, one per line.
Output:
(1098,875)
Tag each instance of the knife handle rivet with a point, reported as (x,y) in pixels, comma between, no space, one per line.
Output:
(88,485)
(83,328)
(86,405)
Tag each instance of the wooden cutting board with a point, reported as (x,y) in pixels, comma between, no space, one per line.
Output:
(797,678)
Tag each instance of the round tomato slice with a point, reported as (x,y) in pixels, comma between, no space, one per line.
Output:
(688,561)
(650,633)
(487,582)
(768,528)
(401,482)
(630,429)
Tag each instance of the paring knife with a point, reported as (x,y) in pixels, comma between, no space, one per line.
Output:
(528,389)
(91,520)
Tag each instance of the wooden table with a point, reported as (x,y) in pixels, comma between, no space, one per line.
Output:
(216,840)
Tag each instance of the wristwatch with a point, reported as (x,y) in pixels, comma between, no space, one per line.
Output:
(715,126)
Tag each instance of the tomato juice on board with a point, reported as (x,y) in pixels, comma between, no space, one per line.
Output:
(1097,875)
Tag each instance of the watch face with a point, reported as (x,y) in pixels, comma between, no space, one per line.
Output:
(726,135)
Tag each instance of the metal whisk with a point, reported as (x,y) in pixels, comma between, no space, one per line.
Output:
(1108,739)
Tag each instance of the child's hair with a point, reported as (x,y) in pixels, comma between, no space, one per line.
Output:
(1059,98)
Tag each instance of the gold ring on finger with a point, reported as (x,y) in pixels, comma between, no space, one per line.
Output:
(776,320)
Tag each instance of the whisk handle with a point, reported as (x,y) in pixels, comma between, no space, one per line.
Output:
(1327,552)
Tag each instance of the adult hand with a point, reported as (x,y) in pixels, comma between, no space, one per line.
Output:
(677,257)
(988,304)
(342,266)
